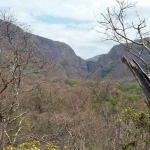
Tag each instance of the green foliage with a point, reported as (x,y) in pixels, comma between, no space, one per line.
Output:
(132,87)
(113,100)
(37,102)
(61,102)
(98,98)
(139,118)
(132,97)
(95,105)
(118,85)
(27,122)
(105,71)
(137,126)
(56,80)
(71,82)
(101,100)
(98,95)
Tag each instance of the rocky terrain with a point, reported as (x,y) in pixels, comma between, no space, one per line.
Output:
(70,65)
(110,65)
(105,65)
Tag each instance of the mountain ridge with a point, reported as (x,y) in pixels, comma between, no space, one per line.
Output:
(110,65)
(71,65)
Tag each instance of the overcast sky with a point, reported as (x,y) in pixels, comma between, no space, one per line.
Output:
(71,21)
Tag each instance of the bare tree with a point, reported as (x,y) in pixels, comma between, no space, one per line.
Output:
(17,61)
(131,34)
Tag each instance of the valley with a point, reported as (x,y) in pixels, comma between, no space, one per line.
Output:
(52,99)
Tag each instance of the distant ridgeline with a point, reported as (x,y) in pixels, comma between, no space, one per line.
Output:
(68,64)
(110,65)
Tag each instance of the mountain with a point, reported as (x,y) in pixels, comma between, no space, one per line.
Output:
(110,65)
(67,63)
(60,56)
(70,64)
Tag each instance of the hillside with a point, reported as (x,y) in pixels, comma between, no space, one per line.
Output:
(70,65)
(40,112)
(54,52)
(110,65)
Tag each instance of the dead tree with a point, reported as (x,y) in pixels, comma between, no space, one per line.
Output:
(116,26)
(17,61)
(141,77)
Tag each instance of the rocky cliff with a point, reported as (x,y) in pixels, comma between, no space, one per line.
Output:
(70,64)
(54,52)
(110,65)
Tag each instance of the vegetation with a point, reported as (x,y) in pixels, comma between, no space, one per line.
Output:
(116,26)
(17,62)
(105,71)
(94,114)
(35,145)
(71,82)
(73,114)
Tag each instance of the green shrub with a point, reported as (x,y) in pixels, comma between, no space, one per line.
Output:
(132,96)
(71,82)
(132,87)
(118,85)
(56,80)
(105,71)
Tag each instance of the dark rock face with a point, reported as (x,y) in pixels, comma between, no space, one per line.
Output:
(55,51)
(92,66)
(105,65)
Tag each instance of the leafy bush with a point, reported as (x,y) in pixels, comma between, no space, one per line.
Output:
(71,82)
(119,85)
(56,80)
(105,71)
(132,87)
(132,96)
(136,127)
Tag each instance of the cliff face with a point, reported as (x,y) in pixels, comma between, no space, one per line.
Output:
(110,65)
(70,64)
(55,52)
(92,64)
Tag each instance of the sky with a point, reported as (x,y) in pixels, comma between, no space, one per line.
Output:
(74,22)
